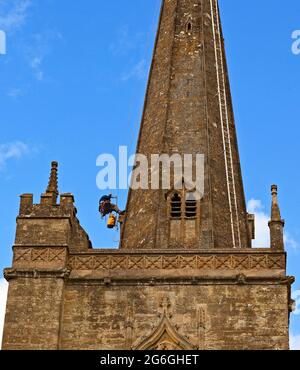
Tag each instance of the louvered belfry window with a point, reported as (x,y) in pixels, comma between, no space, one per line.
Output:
(190,206)
(176,206)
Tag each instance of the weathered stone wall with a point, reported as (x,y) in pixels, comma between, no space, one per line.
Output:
(105,299)
(41,231)
(45,235)
(33,313)
(235,317)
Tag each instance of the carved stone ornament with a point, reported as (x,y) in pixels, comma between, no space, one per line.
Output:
(165,337)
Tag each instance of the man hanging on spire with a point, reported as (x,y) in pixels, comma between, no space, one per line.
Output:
(106,206)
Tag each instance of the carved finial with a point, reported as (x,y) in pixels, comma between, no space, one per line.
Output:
(275,214)
(53,182)
(50,197)
(276,224)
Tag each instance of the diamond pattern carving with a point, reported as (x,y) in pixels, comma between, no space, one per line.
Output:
(171,262)
(154,262)
(157,262)
(21,255)
(118,262)
(136,263)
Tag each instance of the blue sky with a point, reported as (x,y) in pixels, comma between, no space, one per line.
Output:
(72,86)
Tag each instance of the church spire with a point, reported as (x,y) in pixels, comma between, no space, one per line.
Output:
(188,111)
(276,224)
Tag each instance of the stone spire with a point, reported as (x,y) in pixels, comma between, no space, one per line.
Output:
(50,197)
(188,110)
(276,224)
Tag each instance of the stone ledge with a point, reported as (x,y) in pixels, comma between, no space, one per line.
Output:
(10,274)
(43,217)
(79,277)
(251,251)
(46,245)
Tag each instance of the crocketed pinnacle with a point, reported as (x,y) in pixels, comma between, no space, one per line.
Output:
(53,180)
(275,213)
